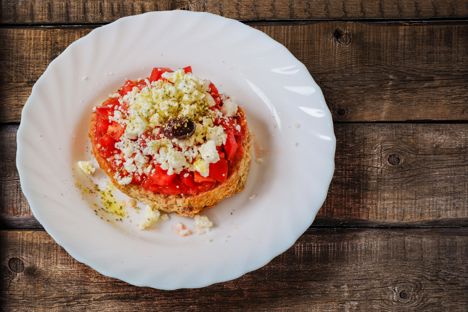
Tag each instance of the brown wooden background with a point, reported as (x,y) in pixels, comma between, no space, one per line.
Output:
(393,233)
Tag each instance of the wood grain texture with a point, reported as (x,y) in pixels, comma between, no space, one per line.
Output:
(368,72)
(326,270)
(386,175)
(89,11)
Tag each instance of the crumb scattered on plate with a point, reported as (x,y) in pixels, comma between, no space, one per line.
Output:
(132,203)
(202,224)
(87,167)
(150,218)
(182,230)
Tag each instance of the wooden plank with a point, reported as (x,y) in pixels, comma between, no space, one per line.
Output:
(87,11)
(368,72)
(326,270)
(386,174)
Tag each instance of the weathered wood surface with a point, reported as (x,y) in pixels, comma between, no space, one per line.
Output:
(89,11)
(368,72)
(386,174)
(326,270)
(375,61)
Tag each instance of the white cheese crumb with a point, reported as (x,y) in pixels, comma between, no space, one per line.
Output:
(85,78)
(216,134)
(87,167)
(182,230)
(123,180)
(202,224)
(151,217)
(252,196)
(229,108)
(208,152)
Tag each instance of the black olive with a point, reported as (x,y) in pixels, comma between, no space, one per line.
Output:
(179,128)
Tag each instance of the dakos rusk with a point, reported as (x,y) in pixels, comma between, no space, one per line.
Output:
(173,141)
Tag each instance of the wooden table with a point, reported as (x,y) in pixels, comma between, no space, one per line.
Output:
(393,233)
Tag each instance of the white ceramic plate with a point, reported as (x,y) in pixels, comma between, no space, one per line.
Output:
(286,112)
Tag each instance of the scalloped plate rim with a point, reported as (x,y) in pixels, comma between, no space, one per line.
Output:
(82,259)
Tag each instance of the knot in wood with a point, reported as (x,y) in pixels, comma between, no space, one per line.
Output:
(342,37)
(16,265)
(394,159)
(341,111)
(407,294)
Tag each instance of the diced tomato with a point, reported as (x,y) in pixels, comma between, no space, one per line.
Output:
(187,179)
(198,178)
(213,90)
(141,84)
(101,126)
(205,186)
(160,178)
(127,87)
(173,189)
(219,170)
(110,102)
(188,69)
(107,145)
(103,111)
(157,72)
(115,130)
(102,120)
(231,145)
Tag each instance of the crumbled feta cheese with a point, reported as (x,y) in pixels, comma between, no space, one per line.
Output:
(145,115)
(123,180)
(151,217)
(229,108)
(216,134)
(87,167)
(208,152)
(202,167)
(182,230)
(202,224)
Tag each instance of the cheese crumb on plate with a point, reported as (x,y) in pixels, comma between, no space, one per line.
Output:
(87,167)
(202,224)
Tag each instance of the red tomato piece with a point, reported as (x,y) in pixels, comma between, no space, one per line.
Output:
(107,145)
(157,72)
(161,178)
(173,189)
(205,186)
(187,179)
(188,69)
(127,87)
(213,90)
(198,178)
(231,145)
(102,120)
(115,130)
(219,170)
(141,84)
(111,102)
